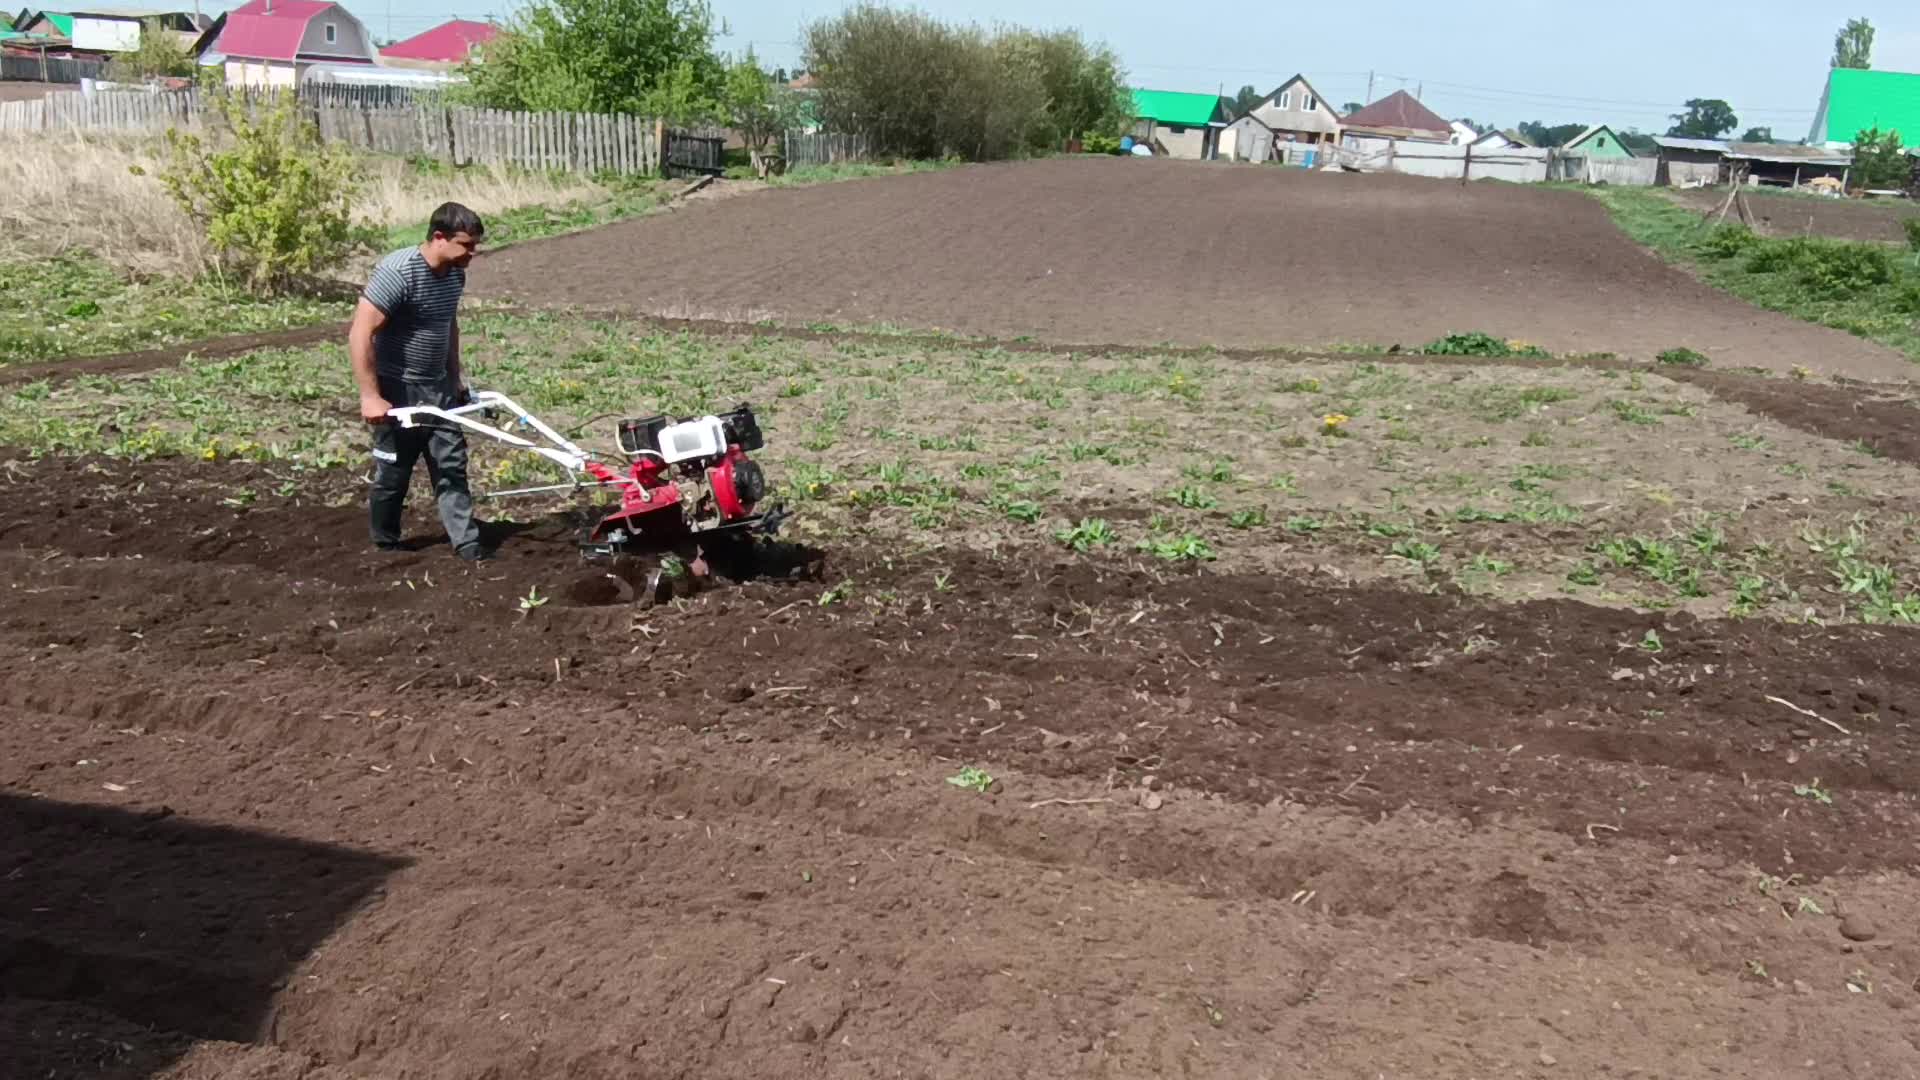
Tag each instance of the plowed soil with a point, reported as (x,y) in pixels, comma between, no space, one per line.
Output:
(275,806)
(1095,250)
(1848,219)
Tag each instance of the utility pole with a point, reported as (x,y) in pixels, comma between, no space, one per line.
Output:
(1369,100)
(1419,89)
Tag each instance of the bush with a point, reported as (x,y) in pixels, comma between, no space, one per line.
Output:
(920,88)
(1912,225)
(1682,357)
(1476,343)
(1907,300)
(1097,143)
(1727,241)
(276,203)
(1828,268)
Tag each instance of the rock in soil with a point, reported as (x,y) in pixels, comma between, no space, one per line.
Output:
(1855,928)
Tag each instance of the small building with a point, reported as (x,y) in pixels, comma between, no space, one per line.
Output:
(444,47)
(1174,124)
(1855,100)
(1598,141)
(1293,118)
(1399,115)
(1688,162)
(271,43)
(1786,164)
(107,30)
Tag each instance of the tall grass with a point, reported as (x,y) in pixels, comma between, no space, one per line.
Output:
(66,193)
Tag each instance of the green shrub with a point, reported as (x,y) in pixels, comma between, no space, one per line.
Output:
(276,202)
(1682,357)
(1828,268)
(1913,232)
(1728,241)
(1097,143)
(1907,300)
(1475,343)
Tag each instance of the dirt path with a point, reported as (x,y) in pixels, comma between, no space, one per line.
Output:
(391,824)
(1096,250)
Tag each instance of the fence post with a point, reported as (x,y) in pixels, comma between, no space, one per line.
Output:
(1466,169)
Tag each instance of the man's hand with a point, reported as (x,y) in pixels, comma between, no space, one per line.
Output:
(374,408)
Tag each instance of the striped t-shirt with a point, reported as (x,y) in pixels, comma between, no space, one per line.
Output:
(420,306)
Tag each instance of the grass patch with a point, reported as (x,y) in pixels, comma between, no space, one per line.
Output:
(77,305)
(1847,285)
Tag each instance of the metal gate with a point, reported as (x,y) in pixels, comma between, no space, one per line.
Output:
(689,154)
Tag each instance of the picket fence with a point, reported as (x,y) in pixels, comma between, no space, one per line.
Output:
(824,148)
(578,142)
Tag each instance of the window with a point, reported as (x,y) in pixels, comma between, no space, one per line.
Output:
(1307,102)
(1284,99)
(333,33)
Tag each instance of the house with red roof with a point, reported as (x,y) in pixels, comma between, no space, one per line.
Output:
(1399,115)
(445,46)
(274,42)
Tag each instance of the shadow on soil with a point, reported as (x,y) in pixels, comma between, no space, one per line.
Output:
(125,937)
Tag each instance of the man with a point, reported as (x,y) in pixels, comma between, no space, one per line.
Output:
(405,348)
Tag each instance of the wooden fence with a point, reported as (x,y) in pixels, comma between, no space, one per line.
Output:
(825,148)
(578,142)
(50,69)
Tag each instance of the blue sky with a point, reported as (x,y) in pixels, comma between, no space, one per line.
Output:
(1629,63)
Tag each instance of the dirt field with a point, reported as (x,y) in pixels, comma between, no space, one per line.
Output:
(1139,712)
(386,825)
(1785,215)
(1097,250)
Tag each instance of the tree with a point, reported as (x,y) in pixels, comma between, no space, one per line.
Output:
(1638,141)
(917,87)
(1705,118)
(1758,134)
(1478,127)
(1544,135)
(1246,99)
(1879,162)
(759,107)
(158,56)
(1853,45)
(1350,108)
(653,57)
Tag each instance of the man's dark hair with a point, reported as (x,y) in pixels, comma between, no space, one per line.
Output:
(453,218)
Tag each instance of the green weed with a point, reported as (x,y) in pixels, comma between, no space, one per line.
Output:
(1087,534)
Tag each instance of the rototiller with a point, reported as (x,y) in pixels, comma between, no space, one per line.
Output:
(686,481)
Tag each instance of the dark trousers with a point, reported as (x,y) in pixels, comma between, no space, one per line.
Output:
(395,449)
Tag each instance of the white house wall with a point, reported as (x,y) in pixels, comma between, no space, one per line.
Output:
(106,35)
(260,73)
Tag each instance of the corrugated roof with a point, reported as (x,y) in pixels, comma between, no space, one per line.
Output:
(450,42)
(1670,142)
(1174,107)
(1858,100)
(1399,110)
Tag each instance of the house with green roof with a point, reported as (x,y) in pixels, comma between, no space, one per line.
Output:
(1855,100)
(1179,125)
(1598,141)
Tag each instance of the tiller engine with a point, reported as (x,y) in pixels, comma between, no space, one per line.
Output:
(681,480)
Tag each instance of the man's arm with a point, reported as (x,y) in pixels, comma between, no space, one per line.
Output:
(367,320)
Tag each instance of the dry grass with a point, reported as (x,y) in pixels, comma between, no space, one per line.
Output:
(67,192)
